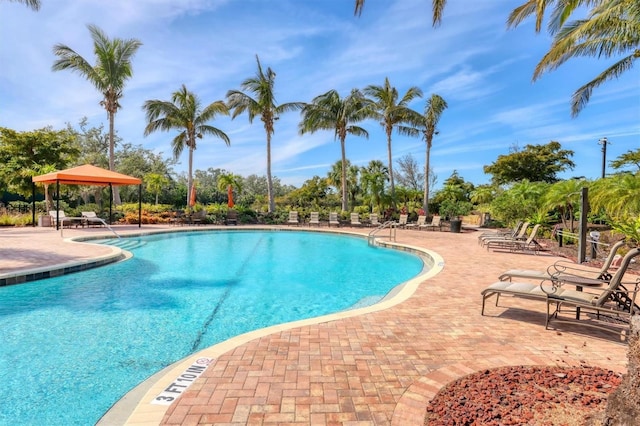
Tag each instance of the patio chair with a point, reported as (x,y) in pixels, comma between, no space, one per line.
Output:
(293,218)
(355,219)
(502,233)
(198,217)
(614,303)
(374,220)
(91,218)
(530,244)
(58,215)
(333,219)
(436,222)
(615,299)
(520,234)
(314,219)
(565,267)
(402,221)
(232,217)
(177,218)
(422,219)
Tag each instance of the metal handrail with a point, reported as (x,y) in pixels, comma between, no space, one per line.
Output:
(392,231)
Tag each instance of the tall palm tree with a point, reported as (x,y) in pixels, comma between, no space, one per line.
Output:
(330,112)
(263,104)
(33,4)
(108,75)
(183,113)
(393,112)
(432,112)
(437,5)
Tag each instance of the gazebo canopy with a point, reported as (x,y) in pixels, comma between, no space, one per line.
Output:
(87,175)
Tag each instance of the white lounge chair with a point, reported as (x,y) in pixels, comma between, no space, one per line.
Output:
(402,221)
(436,222)
(355,219)
(91,218)
(58,218)
(293,218)
(314,219)
(374,220)
(422,219)
(333,219)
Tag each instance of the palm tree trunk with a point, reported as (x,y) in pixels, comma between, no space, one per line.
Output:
(344,174)
(426,181)
(393,189)
(112,161)
(272,204)
(190,177)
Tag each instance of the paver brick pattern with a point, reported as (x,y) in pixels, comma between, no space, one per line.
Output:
(379,368)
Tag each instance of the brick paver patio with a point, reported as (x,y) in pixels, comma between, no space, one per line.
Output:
(377,368)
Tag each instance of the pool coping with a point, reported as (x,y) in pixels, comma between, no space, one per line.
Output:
(134,408)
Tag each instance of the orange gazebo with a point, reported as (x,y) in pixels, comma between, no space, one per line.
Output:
(89,175)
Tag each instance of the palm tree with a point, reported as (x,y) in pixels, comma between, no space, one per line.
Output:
(263,104)
(330,112)
(374,177)
(432,112)
(393,113)
(183,113)
(33,4)
(108,75)
(228,182)
(612,28)
(155,182)
(438,8)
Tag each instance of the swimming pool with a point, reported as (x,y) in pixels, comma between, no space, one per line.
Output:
(73,345)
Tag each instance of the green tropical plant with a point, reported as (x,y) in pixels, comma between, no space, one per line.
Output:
(432,112)
(617,195)
(331,112)
(393,112)
(109,75)
(229,180)
(155,182)
(263,104)
(564,196)
(184,113)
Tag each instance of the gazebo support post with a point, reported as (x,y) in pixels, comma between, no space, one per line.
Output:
(57,205)
(140,206)
(33,204)
(110,201)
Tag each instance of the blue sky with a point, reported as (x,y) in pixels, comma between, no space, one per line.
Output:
(478,66)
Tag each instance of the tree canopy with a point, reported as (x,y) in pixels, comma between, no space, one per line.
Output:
(535,163)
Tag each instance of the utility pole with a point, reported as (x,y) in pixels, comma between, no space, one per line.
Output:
(604,143)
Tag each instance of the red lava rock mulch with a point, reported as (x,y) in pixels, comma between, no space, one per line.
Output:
(524,395)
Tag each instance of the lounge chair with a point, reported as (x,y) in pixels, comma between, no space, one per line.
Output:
(91,218)
(314,219)
(614,302)
(521,234)
(293,218)
(564,267)
(355,219)
(333,219)
(402,221)
(422,219)
(374,220)
(615,299)
(232,217)
(198,217)
(502,233)
(436,222)
(530,244)
(58,215)
(177,218)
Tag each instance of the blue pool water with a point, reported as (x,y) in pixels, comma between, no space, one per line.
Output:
(73,345)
